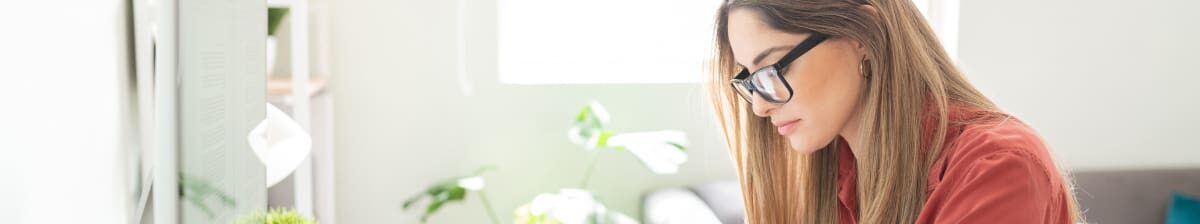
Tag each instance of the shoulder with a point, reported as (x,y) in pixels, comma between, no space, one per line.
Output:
(996,171)
(996,138)
(1000,148)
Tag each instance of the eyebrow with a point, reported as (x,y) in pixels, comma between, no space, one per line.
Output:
(763,55)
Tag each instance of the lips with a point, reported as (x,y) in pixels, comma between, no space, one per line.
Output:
(786,127)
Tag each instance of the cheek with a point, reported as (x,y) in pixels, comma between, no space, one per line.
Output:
(825,98)
(830,95)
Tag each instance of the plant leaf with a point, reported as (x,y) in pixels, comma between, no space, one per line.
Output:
(602,140)
(413,200)
(274,17)
(589,126)
(678,146)
(449,194)
(431,191)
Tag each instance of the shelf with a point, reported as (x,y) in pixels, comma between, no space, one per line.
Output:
(283,86)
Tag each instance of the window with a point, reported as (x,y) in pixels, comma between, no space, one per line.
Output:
(627,41)
(942,15)
(613,41)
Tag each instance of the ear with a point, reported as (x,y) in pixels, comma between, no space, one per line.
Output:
(859,47)
(874,12)
(870,9)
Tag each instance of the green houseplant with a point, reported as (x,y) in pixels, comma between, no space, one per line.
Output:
(661,151)
(275,17)
(277,216)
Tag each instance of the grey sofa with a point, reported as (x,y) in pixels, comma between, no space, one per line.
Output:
(1120,196)
(1131,196)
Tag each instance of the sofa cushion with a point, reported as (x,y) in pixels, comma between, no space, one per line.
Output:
(1183,209)
(1131,196)
(725,199)
(676,206)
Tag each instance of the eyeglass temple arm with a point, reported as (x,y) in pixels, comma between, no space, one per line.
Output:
(803,47)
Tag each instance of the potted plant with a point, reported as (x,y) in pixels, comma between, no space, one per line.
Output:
(661,151)
(274,18)
(277,216)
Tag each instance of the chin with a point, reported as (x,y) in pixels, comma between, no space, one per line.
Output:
(805,144)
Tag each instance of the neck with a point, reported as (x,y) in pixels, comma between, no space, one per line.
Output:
(851,133)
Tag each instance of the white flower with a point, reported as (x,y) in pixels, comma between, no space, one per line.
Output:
(599,111)
(589,141)
(621,218)
(474,183)
(575,134)
(659,150)
(589,126)
(570,206)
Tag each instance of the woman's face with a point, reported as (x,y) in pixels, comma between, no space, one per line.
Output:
(826,81)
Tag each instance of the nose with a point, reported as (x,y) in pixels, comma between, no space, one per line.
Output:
(761,107)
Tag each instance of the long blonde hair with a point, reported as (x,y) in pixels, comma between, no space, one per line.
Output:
(909,73)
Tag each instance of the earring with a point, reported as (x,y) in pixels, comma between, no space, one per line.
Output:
(861,70)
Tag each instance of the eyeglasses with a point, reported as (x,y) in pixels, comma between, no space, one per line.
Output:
(768,82)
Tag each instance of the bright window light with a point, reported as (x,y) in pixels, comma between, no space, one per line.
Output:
(942,15)
(614,41)
(625,41)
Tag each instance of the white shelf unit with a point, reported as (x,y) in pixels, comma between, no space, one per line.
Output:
(312,183)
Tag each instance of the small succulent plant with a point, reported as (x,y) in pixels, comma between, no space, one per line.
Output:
(277,216)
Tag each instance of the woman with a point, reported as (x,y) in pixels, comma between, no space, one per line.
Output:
(849,111)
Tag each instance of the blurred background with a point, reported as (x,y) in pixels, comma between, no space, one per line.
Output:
(106,101)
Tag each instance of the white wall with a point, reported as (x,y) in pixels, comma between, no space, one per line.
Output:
(402,121)
(1109,84)
(64,110)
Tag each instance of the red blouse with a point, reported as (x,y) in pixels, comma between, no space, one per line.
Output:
(995,171)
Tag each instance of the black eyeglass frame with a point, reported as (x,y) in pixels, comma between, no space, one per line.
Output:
(750,87)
